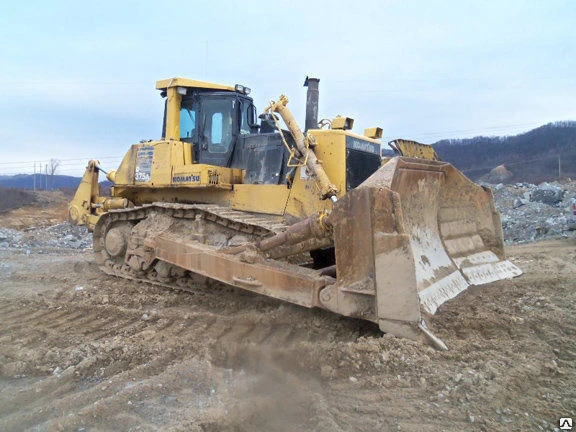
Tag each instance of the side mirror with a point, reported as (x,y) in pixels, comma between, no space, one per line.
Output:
(253,119)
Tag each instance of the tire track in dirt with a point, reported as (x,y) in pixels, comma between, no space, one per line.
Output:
(245,333)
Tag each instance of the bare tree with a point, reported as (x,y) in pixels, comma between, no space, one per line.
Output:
(52,167)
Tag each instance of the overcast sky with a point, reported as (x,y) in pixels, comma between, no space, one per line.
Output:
(78,78)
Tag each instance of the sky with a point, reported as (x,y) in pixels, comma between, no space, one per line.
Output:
(78,78)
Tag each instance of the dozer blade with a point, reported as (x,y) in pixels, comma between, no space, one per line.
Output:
(413,235)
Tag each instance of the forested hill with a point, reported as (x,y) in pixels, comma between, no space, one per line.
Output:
(529,157)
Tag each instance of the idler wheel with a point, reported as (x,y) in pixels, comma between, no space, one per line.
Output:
(116,240)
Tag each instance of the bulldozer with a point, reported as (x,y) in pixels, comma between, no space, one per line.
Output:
(315,217)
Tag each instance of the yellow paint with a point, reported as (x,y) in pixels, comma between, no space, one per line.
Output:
(162,170)
(162,164)
(187,149)
(342,123)
(331,151)
(373,132)
(168,161)
(183,194)
(173,114)
(189,83)
(270,199)
(125,172)
(80,208)
(305,198)
(414,149)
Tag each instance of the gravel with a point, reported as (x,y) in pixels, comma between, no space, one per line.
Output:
(529,212)
(45,239)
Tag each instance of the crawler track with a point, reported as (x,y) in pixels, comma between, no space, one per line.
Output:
(232,221)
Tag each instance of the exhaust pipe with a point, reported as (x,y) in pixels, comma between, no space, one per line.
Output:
(311,103)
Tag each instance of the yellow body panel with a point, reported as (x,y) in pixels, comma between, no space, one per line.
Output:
(257,198)
(156,171)
(195,194)
(202,175)
(162,163)
(305,197)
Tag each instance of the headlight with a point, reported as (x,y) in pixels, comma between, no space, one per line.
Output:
(242,89)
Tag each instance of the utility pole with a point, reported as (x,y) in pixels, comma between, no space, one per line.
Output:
(559,166)
(34,176)
(46,176)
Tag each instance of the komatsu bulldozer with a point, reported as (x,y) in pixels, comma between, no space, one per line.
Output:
(316,217)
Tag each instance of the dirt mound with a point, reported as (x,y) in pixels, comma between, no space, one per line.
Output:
(500,174)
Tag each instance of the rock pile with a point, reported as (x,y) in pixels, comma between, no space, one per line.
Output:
(530,212)
(60,236)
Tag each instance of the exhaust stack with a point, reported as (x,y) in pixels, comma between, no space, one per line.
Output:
(311,103)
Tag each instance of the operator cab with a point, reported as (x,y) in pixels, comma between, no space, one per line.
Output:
(209,116)
(220,123)
(212,122)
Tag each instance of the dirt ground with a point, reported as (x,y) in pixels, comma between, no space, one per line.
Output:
(83,351)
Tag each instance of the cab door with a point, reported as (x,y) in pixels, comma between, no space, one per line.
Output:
(218,129)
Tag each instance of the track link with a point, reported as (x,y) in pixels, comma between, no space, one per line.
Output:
(253,225)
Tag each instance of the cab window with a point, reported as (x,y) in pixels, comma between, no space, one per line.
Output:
(216,137)
(244,117)
(187,120)
(218,124)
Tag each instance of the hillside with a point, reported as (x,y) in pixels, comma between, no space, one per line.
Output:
(60,182)
(531,157)
(26,181)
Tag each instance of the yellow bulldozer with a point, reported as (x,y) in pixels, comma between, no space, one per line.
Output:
(316,217)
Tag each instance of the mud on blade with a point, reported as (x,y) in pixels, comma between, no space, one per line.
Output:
(414,235)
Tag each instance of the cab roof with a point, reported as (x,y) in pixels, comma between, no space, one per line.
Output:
(189,83)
